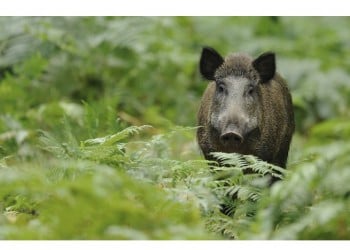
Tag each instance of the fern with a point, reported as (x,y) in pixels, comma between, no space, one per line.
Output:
(109,149)
(53,145)
(112,139)
(249,162)
(111,203)
(238,193)
(310,202)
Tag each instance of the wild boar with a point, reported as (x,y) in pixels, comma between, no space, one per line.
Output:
(246,108)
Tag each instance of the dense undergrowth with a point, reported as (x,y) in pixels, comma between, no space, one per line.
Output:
(97,131)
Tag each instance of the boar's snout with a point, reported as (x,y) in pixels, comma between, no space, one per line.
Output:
(235,127)
(231,137)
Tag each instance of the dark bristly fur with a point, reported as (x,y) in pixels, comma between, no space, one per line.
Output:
(273,109)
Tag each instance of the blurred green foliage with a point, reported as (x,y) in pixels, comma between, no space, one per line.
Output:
(78,162)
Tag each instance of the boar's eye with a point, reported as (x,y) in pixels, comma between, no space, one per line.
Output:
(251,90)
(220,87)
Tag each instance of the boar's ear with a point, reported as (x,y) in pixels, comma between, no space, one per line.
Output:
(266,66)
(209,62)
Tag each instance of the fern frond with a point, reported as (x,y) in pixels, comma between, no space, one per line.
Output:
(107,150)
(53,145)
(250,163)
(231,159)
(112,139)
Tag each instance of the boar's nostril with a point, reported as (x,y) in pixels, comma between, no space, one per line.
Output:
(231,137)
